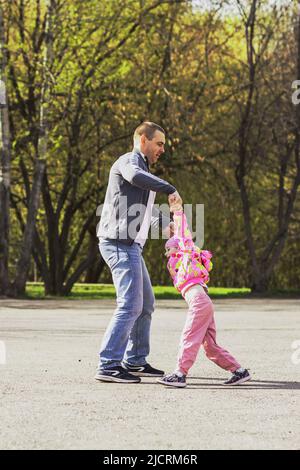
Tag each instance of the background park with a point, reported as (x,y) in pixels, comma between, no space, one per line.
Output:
(76,78)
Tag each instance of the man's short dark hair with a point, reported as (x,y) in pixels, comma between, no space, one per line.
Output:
(148,129)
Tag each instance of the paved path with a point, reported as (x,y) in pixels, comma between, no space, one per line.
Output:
(49,399)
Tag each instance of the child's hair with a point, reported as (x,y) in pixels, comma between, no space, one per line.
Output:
(173,242)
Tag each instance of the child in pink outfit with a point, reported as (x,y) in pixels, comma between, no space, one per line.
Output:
(189,267)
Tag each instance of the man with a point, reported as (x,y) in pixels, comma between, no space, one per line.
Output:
(123,230)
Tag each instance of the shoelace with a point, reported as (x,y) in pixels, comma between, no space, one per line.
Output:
(172,378)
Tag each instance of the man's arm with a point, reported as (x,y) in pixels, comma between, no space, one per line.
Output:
(136,176)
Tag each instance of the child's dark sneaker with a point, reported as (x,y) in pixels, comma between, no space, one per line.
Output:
(238,378)
(173,380)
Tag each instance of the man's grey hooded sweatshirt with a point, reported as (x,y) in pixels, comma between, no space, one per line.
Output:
(129,185)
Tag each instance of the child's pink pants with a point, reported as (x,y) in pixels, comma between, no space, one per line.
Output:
(200,329)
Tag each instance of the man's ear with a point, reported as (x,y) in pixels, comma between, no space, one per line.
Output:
(143,139)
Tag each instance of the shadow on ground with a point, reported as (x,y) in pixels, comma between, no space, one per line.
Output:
(253,384)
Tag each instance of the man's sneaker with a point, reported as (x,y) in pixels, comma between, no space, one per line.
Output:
(173,380)
(143,371)
(238,378)
(116,374)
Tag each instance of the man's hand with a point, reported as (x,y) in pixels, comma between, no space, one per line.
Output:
(176,207)
(175,202)
(174,198)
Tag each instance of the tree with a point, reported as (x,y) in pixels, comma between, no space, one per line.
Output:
(5,159)
(263,265)
(41,153)
(80,125)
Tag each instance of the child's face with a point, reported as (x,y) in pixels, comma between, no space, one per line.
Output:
(169,251)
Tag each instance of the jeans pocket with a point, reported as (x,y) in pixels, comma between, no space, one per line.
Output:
(112,255)
(112,260)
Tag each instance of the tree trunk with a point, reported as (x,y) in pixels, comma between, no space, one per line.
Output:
(27,243)
(84,265)
(94,271)
(241,169)
(5,159)
(40,161)
(260,285)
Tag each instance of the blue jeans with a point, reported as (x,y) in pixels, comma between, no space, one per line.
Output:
(127,337)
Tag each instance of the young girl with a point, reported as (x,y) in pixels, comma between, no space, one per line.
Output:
(189,267)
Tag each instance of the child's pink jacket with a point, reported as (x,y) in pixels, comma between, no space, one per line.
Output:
(189,265)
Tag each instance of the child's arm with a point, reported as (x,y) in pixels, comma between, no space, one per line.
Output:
(182,231)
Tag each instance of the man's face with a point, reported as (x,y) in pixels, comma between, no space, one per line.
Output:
(153,148)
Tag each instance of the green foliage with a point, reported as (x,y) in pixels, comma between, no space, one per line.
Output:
(117,63)
(107,291)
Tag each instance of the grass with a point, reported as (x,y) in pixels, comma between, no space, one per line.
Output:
(35,290)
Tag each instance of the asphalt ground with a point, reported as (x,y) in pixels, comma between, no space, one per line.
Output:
(50,400)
